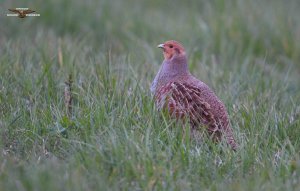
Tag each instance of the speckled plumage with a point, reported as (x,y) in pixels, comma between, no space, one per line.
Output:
(184,96)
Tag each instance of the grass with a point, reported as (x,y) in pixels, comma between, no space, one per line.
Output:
(247,51)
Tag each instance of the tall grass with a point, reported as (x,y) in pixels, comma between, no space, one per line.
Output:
(247,51)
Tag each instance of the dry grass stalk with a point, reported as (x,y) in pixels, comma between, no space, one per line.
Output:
(68,96)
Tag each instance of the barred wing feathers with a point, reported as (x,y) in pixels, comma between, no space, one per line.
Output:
(185,100)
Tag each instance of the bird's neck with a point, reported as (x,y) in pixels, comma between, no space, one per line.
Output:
(171,70)
(175,67)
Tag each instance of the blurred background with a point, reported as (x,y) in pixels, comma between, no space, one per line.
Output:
(230,30)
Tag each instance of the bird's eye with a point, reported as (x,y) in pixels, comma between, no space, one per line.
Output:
(171,46)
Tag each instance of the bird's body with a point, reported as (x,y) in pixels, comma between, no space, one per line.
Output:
(186,97)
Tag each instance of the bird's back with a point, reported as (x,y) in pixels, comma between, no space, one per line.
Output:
(188,97)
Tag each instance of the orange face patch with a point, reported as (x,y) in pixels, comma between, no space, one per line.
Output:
(172,48)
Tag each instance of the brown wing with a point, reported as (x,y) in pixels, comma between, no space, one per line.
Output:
(184,100)
(14,10)
(189,99)
(28,11)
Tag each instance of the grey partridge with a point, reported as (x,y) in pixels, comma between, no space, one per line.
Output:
(185,97)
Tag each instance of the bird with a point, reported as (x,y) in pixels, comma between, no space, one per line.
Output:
(184,97)
(21,13)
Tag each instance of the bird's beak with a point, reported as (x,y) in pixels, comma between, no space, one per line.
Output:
(161,46)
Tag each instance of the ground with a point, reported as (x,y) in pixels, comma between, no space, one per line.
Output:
(113,138)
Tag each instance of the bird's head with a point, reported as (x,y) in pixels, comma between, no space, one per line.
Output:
(172,48)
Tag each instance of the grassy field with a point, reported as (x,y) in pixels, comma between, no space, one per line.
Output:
(113,138)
